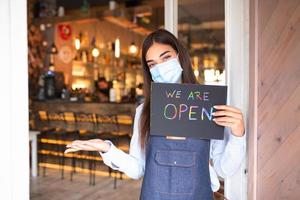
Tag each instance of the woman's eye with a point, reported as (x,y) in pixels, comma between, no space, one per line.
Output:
(151,65)
(166,58)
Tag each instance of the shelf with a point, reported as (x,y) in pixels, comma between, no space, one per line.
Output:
(92,16)
(83,77)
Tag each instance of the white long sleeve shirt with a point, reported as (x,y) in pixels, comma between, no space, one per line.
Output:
(226,155)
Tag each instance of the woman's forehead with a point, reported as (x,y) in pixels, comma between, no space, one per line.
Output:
(157,49)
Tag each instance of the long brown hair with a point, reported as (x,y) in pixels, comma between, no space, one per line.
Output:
(160,36)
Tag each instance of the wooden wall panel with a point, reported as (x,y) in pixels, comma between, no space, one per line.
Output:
(276,75)
(274,47)
(285,121)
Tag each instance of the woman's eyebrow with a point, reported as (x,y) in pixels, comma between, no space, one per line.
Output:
(147,61)
(163,53)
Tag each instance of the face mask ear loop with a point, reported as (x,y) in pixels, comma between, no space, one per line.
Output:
(177,55)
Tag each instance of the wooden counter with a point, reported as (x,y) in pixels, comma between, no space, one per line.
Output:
(124,111)
(100,108)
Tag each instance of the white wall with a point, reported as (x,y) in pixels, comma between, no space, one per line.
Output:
(14,167)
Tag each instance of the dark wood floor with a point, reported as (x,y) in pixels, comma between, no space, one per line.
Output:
(52,187)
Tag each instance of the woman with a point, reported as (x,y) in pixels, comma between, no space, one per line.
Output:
(173,167)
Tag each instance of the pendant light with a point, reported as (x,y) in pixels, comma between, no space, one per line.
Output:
(53,49)
(117,48)
(95,50)
(132,48)
(77,42)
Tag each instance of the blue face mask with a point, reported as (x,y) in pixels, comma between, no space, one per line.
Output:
(167,72)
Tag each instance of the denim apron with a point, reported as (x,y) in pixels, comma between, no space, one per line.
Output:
(176,170)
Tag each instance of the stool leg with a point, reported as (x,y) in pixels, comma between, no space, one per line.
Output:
(43,159)
(73,166)
(109,171)
(82,161)
(44,167)
(115,181)
(94,178)
(90,171)
(62,167)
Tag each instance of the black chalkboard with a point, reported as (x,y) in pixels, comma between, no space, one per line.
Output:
(184,110)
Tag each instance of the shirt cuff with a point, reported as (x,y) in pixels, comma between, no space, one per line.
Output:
(236,139)
(109,155)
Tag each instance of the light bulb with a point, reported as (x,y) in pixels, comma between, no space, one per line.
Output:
(53,49)
(77,44)
(117,48)
(95,52)
(132,48)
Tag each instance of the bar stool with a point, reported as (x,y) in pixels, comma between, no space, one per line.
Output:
(72,133)
(108,129)
(87,133)
(48,139)
(53,140)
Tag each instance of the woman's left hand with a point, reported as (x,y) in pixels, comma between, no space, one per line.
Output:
(230,117)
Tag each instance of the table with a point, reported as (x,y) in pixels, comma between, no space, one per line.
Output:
(34,163)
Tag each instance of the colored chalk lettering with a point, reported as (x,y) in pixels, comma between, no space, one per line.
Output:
(182,108)
(177,94)
(185,110)
(197,95)
(193,112)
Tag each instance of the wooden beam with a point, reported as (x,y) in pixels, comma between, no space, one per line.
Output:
(125,23)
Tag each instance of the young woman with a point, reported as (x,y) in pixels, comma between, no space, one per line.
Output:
(172,167)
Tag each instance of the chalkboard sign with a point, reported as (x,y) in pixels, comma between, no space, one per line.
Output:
(185,110)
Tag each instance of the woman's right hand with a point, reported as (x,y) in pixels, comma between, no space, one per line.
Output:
(88,145)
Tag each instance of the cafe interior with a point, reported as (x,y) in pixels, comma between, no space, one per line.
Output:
(85,81)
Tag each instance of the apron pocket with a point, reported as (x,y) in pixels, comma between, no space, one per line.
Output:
(175,171)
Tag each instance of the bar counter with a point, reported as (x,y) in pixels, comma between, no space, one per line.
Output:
(52,113)
(96,107)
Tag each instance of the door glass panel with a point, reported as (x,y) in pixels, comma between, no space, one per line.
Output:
(201,30)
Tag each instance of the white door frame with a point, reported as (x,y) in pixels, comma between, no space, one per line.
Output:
(14,168)
(171,16)
(237,79)
(237,72)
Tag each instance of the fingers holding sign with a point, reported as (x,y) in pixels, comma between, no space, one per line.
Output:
(230,117)
(88,145)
